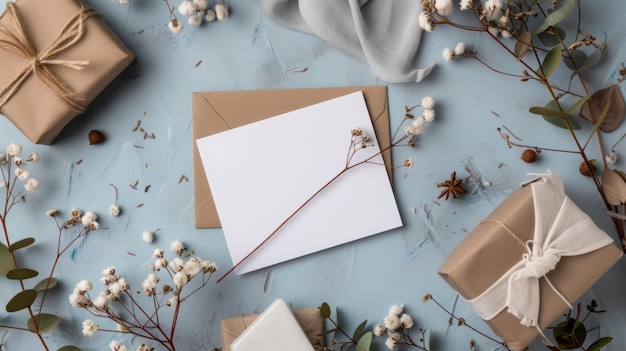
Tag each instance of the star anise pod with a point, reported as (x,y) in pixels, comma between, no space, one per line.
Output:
(452,187)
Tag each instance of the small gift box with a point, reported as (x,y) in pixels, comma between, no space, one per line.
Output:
(309,319)
(55,58)
(523,265)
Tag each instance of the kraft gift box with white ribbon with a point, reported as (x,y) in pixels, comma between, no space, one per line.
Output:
(526,263)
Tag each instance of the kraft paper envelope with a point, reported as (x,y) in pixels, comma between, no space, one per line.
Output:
(215,112)
(297,174)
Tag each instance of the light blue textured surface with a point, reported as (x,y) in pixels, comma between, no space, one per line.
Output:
(361,279)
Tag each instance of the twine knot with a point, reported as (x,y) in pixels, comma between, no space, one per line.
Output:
(40,63)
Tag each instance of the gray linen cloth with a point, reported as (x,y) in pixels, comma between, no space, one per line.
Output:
(383,34)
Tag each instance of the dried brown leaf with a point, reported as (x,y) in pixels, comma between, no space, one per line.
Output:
(615,116)
(614,186)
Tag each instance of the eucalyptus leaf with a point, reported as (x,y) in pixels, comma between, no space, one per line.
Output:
(562,9)
(547,112)
(551,37)
(21,300)
(46,322)
(6,263)
(599,100)
(325,310)
(21,244)
(570,334)
(592,59)
(21,274)
(552,61)
(600,343)
(70,348)
(553,116)
(45,284)
(577,105)
(578,59)
(365,342)
(521,46)
(358,332)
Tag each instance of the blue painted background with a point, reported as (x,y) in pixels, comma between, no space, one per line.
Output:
(361,279)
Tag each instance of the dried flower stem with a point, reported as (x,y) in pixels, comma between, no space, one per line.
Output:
(461,321)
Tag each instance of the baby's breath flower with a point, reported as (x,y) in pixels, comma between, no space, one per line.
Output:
(611,158)
(94,225)
(459,49)
(221,11)
(14,149)
(195,19)
(395,336)
(210,15)
(101,302)
(177,264)
(186,8)
(209,267)
(379,330)
(444,7)
(448,54)
(53,212)
(109,271)
(78,300)
(392,321)
(429,115)
(88,218)
(89,327)
(117,346)
(200,5)
(175,26)
(158,253)
(149,284)
(32,185)
(21,173)
(406,320)
(396,309)
(428,102)
(180,279)
(84,285)
(34,157)
(466,4)
(191,268)
(426,22)
(147,236)
(121,328)
(177,247)
(391,344)
(408,162)
(114,210)
(160,263)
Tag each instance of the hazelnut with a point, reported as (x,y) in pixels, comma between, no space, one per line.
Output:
(529,156)
(585,170)
(95,137)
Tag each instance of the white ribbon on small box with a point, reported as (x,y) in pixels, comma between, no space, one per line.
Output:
(561,229)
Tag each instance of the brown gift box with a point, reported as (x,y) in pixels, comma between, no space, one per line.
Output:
(215,112)
(489,251)
(310,321)
(35,109)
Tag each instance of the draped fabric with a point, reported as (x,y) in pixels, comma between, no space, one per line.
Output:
(383,34)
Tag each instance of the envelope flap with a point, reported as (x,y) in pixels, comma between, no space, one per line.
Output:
(214,112)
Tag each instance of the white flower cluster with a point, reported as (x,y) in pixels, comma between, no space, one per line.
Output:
(417,126)
(181,270)
(459,50)
(395,325)
(11,158)
(491,10)
(198,11)
(88,219)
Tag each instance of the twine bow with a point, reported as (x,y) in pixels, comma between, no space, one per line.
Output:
(561,229)
(40,63)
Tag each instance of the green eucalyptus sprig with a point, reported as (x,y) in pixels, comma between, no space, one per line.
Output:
(571,333)
(359,338)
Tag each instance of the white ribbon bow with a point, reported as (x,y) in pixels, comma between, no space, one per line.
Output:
(561,229)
